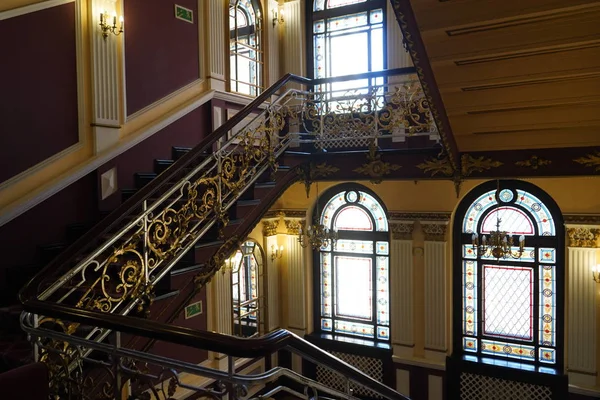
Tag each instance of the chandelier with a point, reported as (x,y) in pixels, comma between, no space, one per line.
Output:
(500,243)
(317,235)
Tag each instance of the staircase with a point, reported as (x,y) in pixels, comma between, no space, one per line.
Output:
(177,226)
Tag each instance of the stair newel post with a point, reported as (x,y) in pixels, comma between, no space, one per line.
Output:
(146,238)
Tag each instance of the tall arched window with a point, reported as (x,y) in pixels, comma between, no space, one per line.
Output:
(245,47)
(353,275)
(509,307)
(247,298)
(346,37)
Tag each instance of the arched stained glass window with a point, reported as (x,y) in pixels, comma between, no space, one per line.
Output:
(509,307)
(245,52)
(353,274)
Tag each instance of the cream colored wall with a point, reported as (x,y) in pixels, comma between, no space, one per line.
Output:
(574,195)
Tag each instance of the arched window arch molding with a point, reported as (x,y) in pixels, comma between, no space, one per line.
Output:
(543,259)
(366,246)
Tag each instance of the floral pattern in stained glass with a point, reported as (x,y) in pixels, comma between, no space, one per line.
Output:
(381,222)
(354,246)
(547,356)
(382,248)
(540,211)
(383,294)
(326,295)
(470,344)
(354,328)
(547,255)
(469,297)
(509,350)
(547,300)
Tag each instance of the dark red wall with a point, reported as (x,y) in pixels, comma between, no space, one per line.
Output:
(161,52)
(187,131)
(38,87)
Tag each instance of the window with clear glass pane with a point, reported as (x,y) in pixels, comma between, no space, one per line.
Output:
(246,267)
(509,303)
(245,63)
(348,38)
(353,273)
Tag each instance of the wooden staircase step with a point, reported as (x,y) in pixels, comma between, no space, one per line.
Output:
(141,179)
(162,165)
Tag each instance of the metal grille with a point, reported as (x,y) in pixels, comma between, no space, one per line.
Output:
(370,366)
(479,387)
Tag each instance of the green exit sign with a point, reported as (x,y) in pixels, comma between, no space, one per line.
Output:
(184,14)
(193,309)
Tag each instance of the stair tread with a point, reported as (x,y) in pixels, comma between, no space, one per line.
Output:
(251,202)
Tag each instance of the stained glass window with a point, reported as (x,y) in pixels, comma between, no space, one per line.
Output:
(245,53)
(348,38)
(509,305)
(353,274)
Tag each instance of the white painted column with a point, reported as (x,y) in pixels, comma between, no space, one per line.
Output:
(216,45)
(107,78)
(293,51)
(219,313)
(272,293)
(397,56)
(435,297)
(401,287)
(581,316)
(296,265)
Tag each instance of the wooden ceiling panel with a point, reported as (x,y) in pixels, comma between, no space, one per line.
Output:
(491,37)
(576,57)
(436,14)
(515,74)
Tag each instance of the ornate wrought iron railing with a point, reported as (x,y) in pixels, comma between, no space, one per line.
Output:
(92,370)
(114,268)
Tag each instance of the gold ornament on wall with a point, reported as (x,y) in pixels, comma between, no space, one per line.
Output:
(374,168)
(309,172)
(436,166)
(583,237)
(534,162)
(270,227)
(590,160)
(472,164)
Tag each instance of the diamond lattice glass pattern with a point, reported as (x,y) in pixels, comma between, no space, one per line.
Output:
(470,297)
(353,287)
(353,218)
(512,221)
(508,302)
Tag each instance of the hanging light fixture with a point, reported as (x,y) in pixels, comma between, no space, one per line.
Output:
(317,235)
(500,243)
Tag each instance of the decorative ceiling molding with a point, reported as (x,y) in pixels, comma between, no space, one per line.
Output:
(534,162)
(472,164)
(581,219)
(410,30)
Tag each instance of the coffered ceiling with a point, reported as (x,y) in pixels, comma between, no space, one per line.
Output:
(515,74)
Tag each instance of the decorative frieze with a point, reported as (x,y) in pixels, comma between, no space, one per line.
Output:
(434,232)
(270,227)
(419,216)
(293,226)
(582,219)
(583,237)
(402,230)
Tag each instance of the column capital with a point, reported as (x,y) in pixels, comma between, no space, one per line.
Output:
(270,227)
(434,231)
(402,230)
(583,237)
(293,226)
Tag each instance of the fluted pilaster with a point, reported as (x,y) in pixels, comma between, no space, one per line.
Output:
(435,295)
(217,11)
(272,292)
(296,312)
(581,309)
(401,279)
(293,39)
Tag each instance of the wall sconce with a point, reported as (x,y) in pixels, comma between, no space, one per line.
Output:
(277,17)
(596,273)
(276,253)
(107,28)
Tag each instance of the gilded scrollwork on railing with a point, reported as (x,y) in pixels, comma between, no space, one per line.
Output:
(353,117)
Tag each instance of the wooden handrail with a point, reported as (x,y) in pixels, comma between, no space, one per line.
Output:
(234,346)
